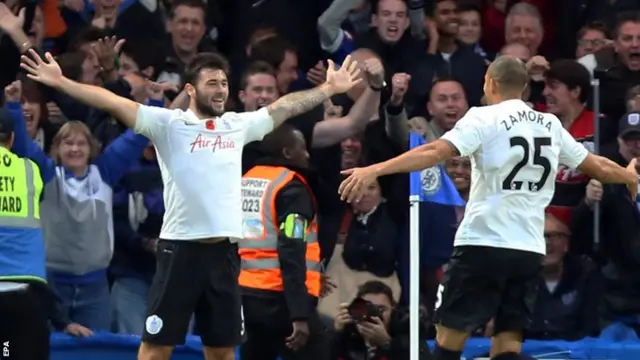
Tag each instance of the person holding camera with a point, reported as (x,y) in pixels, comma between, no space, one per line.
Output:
(373,327)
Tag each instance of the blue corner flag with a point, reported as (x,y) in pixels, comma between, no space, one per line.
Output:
(433,184)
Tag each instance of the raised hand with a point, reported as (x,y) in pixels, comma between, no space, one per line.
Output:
(155,90)
(317,74)
(399,87)
(374,72)
(106,50)
(46,72)
(353,187)
(343,78)
(331,111)
(13,92)
(8,20)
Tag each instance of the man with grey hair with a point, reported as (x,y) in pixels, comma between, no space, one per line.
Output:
(496,263)
(524,25)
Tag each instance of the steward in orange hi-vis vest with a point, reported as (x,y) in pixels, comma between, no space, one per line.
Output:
(260,263)
(280,274)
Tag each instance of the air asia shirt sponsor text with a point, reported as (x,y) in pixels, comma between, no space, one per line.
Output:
(216,143)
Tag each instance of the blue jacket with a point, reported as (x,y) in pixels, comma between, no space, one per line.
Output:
(138,208)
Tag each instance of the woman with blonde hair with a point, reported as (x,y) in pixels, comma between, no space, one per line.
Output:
(77,219)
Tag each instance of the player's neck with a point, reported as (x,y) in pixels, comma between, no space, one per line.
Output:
(200,115)
(507,97)
(571,115)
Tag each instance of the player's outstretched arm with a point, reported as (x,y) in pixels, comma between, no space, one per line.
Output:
(607,171)
(48,72)
(418,158)
(338,81)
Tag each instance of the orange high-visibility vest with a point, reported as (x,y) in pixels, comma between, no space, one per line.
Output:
(260,266)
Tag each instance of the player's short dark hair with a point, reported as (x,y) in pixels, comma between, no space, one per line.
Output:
(375,287)
(86,36)
(272,50)
(509,73)
(276,141)
(572,74)
(197,4)
(623,18)
(256,67)
(445,79)
(202,61)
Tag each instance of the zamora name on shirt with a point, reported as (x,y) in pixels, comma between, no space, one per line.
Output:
(526,116)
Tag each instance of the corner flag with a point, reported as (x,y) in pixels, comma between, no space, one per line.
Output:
(433,184)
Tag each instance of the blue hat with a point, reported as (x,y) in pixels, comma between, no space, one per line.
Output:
(629,124)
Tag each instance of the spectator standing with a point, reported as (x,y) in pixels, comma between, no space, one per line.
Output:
(591,39)
(393,44)
(470,28)
(367,251)
(459,170)
(186,27)
(452,58)
(36,113)
(79,219)
(524,25)
(447,104)
(617,67)
(567,89)
(282,56)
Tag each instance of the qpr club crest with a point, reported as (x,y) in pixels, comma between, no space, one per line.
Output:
(430,179)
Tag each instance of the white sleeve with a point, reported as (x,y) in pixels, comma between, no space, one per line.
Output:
(468,133)
(256,124)
(151,121)
(572,153)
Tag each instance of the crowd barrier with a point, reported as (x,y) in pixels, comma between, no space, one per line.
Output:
(616,343)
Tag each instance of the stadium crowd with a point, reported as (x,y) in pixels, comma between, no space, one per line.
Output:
(432,55)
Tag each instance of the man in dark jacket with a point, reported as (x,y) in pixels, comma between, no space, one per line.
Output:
(618,67)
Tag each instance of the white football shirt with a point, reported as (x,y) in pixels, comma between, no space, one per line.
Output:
(201,165)
(515,152)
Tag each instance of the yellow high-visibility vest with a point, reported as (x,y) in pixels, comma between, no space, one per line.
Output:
(20,189)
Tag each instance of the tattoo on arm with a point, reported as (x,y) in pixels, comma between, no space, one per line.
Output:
(297,103)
